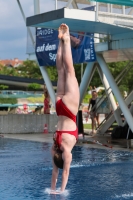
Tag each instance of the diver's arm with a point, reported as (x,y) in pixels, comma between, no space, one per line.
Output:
(55,172)
(67,157)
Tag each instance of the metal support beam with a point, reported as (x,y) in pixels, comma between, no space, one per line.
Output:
(88,74)
(36,7)
(110,96)
(116,91)
(56,6)
(131,12)
(96,35)
(23,15)
(74,4)
(108,7)
(111,8)
(48,83)
(69,3)
(111,119)
(123,10)
(97,9)
(43,68)
(82,67)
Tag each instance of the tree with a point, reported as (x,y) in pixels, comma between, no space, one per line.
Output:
(96,81)
(126,83)
(52,73)
(3,87)
(34,86)
(8,71)
(29,69)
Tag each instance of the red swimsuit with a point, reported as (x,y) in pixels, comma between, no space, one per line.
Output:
(61,109)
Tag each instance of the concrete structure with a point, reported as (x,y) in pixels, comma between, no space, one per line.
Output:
(15,123)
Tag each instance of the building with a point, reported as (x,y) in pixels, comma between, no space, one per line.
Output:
(11,63)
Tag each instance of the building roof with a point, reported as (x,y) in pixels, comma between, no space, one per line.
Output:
(12,62)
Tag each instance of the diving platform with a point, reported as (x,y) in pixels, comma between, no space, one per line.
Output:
(119,47)
(77,20)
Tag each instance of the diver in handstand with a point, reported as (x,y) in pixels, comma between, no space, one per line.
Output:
(67,103)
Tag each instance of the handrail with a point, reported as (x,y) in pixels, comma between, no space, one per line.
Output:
(118,2)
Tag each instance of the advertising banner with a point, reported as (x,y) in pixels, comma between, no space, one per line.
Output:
(82,45)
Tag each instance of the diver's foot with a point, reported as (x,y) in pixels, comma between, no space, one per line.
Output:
(63,32)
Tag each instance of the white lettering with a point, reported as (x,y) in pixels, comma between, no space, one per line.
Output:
(45,32)
(87,54)
(52,56)
(50,47)
(40,48)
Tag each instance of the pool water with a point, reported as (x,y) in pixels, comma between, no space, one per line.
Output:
(96,174)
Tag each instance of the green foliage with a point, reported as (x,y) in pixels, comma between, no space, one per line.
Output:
(30,69)
(77,68)
(52,72)
(96,81)
(8,71)
(116,67)
(34,86)
(123,88)
(36,100)
(126,84)
(87,126)
(3,87)
(87,98)
(8,101)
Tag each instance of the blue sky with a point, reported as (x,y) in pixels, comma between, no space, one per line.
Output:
(13,32)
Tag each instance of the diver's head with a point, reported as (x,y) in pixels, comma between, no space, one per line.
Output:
(58,161)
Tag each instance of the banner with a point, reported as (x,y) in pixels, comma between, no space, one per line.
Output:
(82,45)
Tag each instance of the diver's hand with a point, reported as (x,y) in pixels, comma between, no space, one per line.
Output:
(55,192)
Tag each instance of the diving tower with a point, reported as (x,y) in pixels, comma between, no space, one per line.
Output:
(119,46)
(81,20)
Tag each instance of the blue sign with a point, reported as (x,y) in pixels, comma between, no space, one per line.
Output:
(82,45)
